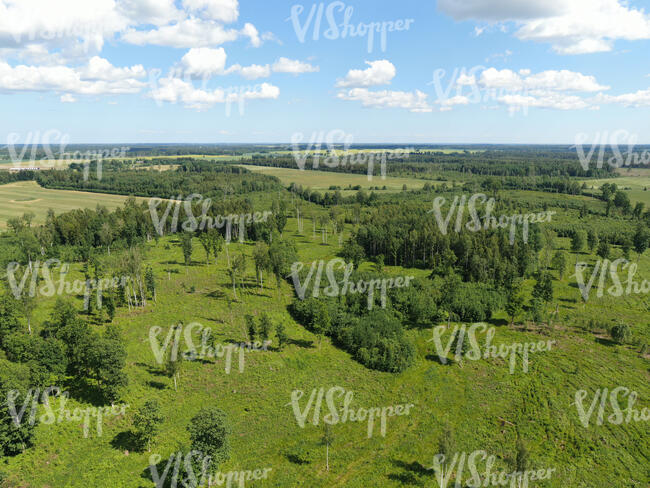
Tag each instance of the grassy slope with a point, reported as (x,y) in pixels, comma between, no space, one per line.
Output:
(471,399)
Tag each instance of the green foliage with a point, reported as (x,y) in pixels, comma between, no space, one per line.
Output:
(621,333)
(209,431)
(146,424)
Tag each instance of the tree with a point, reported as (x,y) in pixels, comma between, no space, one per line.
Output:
(281,334)
(262,261)
(446,443)
(146,424)
(173,361)
(186,247)
(353,253)
(559,262)
(110,306)
(327,440)
(621,333)
(106,361)
(603,249)
(592,239)
(578,240)
(282,254)
(150,281)
(543,288)
(266,326)
(14,438)
(28,305)
(515,302)
(216,242)
(204,239)
(209,431)
(8,316)
(251,327)
(640,240)
(236,271)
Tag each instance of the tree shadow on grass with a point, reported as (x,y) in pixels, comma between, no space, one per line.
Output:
(124,441)
(81,390)
(606,342)
(414,467)
(157,385)
(437,359)
(301,343)
(152,370)
(405,479)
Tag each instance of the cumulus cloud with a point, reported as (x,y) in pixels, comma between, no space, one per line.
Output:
(175,90)
(412,101)
(570,26)
(63,79)
(640,98)
(204,61)
(379,73)
(285,65)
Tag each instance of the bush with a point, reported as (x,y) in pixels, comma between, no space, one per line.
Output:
(621,333)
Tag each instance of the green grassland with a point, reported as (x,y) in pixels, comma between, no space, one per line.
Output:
(27,196)
(322,180)
(635,182)
(485,406)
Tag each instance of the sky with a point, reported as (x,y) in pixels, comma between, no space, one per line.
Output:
(278,71)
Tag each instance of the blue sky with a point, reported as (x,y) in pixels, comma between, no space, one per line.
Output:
(128,71)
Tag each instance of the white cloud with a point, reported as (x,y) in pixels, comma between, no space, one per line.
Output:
(412,101)
(221,10)
(570,26)
(285,65)
(204,61)
(251,32)
(156,12)
(251,72)
(175,90)
(63,79)
(639,99)
(453,101)
(379,73)
(553,80)
(189,33)
(67,98)
(101,69)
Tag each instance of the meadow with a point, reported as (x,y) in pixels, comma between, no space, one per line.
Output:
(27,196)
(323,180)
(634,181)
(485,406)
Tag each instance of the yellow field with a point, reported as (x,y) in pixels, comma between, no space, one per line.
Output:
(28,196)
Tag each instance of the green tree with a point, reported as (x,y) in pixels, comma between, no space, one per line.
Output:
(186,246)
(209,431)
(578,240)
(603,249)
(559,262)
(146,424)
(266,326)
(621,333)
(515,302)
(237,271)
(262,261)
(640,240)
(251,327)
(281,333)
(543,288)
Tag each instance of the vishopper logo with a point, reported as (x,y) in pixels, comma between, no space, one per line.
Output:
(52,144)
(345,286)
(616,289)
(178,86)
(445,469)
(194,469)
(86,32)
(467,87)
(614,398)
(459,205)
(52,287)
(191,224)
(466,346)
(62,414)
(344,413)
(337,142)
(339,24)
(209,349)
(620,144)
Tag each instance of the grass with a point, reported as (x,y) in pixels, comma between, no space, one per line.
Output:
(322,180)
(633,180)
(27,196)
(486,407)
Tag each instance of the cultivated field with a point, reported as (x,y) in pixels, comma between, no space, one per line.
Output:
(28,196)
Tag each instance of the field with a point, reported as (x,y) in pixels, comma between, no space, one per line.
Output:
(486,407)
(635,181)
(28,196)
(322,180)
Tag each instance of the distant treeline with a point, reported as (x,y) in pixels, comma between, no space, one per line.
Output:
(204,177)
